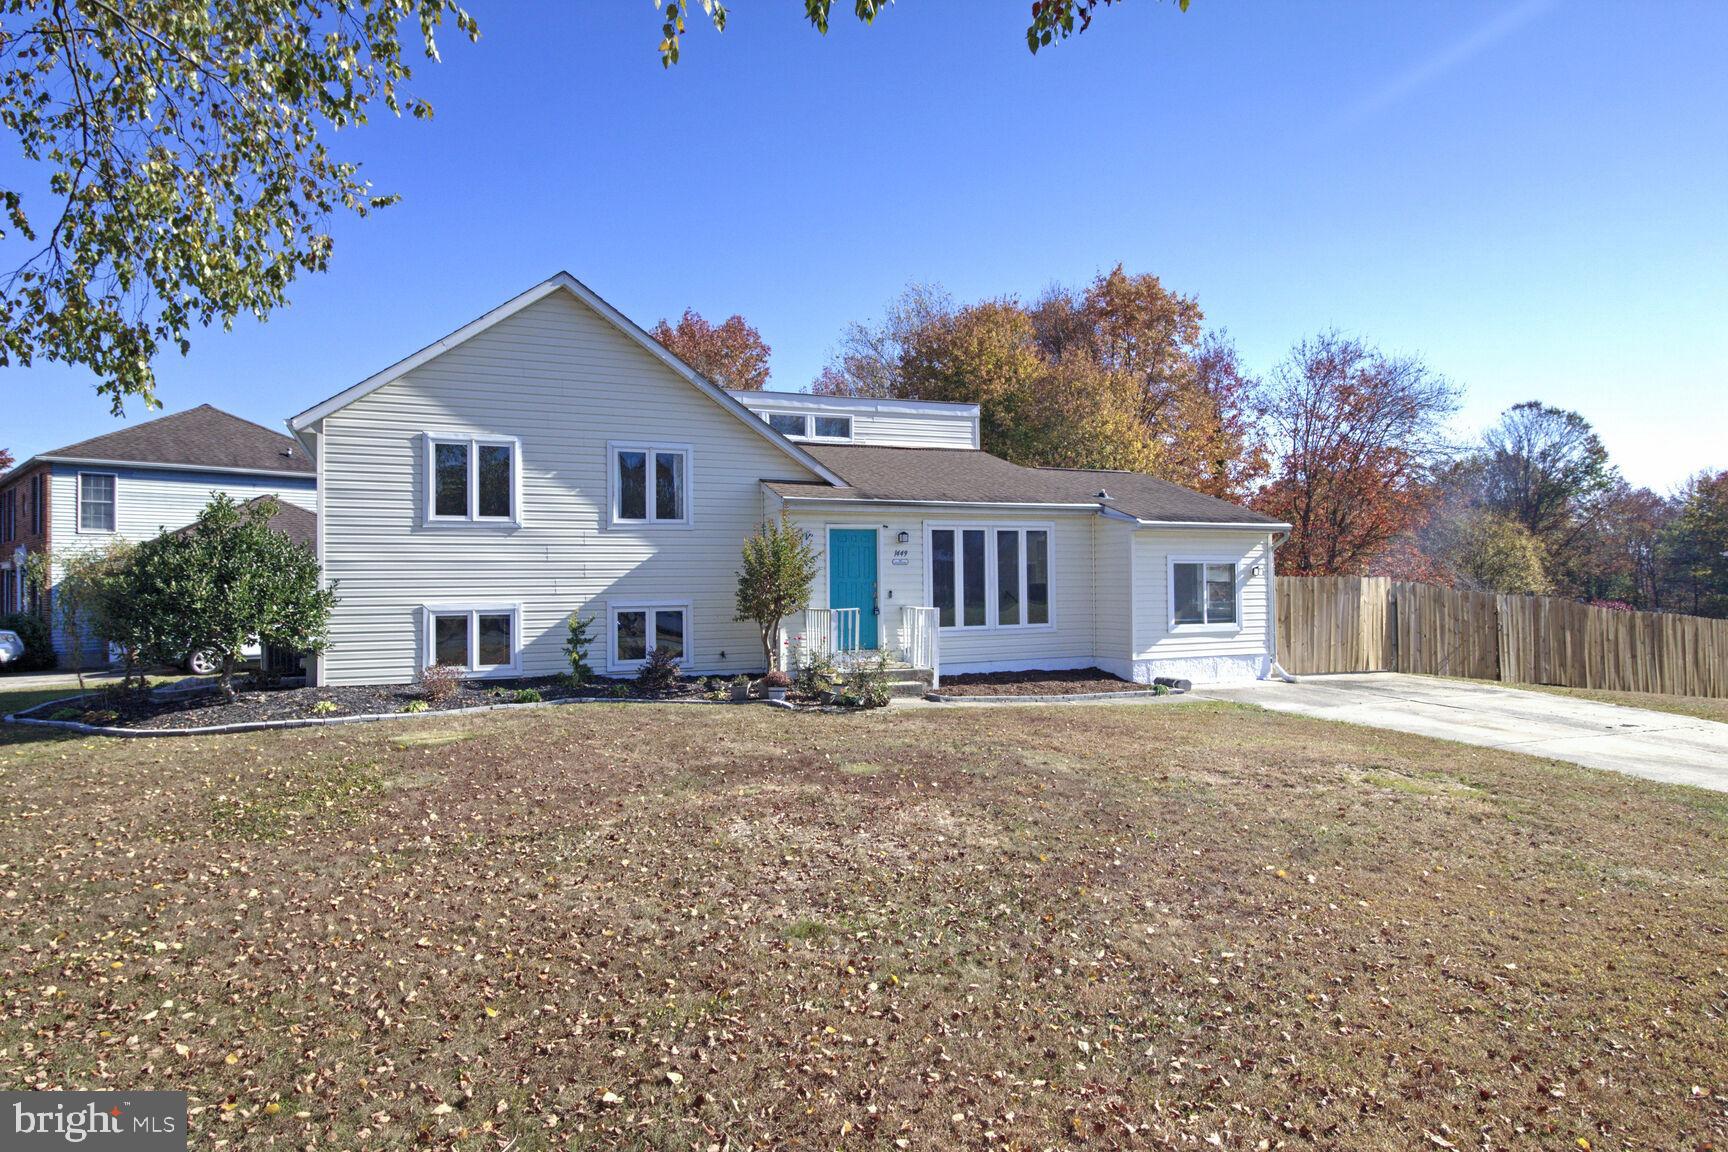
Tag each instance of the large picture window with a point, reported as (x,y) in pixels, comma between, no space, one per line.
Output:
(637,629)
(479,639)
(1203,593)
(995,576)
(96,501)
(473,478)
(650,484)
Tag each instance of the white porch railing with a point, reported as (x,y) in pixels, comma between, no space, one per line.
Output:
(921,640)
(831,633)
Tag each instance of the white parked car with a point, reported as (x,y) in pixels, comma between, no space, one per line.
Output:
(11,648)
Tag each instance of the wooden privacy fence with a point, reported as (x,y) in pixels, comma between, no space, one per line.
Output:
(1372,624)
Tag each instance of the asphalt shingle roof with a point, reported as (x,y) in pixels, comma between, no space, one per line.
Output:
(291,520)
(968,476)
(199,437)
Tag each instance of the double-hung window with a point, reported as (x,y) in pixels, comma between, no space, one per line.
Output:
(634,630)
(650,483)
(475,638)
(474,479)
(96,501)
(1203,594)
(990,576)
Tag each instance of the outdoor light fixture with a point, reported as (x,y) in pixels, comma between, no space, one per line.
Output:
(904,536)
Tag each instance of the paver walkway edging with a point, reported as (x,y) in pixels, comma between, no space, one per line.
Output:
(1057,698)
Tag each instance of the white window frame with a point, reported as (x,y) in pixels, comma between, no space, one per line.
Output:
(1235,565)
(473,444)
(769,417)
(819,438)
(614,607)
(613,494)
(78,494)
(992,583)
(474,611)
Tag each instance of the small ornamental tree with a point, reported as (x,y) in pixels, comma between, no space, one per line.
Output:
(576,647)
(780,564)
(91,592)
(226,581)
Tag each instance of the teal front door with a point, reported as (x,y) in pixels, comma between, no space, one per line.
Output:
(852,580)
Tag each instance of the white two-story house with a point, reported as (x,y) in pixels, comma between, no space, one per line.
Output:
(131,484)
(551,458)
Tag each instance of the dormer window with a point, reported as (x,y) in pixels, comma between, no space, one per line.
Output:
(800,426)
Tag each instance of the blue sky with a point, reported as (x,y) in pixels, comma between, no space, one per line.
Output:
(1532,196)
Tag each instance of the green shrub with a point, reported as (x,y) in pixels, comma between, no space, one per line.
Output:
(100,717)
(38,640)
(659,672)
(416,706)
(576,647)
(526,696)
(324,708)
(868,683)
(66,714)
(816,675)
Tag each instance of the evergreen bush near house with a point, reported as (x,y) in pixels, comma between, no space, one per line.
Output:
(38,640)
(526,696)
(779,566)
(576,647)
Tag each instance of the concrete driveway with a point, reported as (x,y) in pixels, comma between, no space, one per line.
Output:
(1654,745)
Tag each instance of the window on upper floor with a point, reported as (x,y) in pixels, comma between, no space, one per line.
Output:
(96,501)
(800,426)
(650,483)
(1203,593)
(8,501)
(833,427)
(789,423)
(473,478)
(990,576)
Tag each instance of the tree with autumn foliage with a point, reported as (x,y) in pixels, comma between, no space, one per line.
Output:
(731,354)
(5,459)
(1355,437)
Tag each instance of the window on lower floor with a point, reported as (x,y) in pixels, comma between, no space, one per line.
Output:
(637,629)
(96,502)
(1202,592)
(990,577)
(479,639)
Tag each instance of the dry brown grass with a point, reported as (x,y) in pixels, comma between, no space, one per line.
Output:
(1698,707)
(661,927)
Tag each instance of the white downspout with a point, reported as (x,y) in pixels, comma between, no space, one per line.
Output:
(1275,668)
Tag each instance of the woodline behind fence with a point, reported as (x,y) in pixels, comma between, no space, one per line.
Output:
(1373,624)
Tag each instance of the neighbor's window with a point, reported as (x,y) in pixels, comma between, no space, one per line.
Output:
(1202,592)
(472,478)
(637,629)
(834,427)
(473,639)
(990,577)
(650,485)
(95,502)
(789,423)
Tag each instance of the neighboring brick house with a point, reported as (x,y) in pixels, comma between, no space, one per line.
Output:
(132,484)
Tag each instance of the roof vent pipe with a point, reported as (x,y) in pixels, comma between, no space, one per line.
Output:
(1103,494)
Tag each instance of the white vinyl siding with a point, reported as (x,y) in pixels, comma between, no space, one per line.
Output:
(567,384)
(1156,551)
(894,423)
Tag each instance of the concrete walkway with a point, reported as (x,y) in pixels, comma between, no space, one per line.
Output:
(1654,745)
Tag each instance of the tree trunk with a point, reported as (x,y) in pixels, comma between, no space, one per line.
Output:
(770,632)
(225,679)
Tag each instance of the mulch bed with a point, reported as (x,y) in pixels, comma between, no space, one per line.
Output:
(206,709)
(1037,683)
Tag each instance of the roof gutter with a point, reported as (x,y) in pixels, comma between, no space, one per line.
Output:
(90,460)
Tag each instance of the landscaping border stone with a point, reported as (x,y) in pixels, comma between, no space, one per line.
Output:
(83,729)
(1059,698)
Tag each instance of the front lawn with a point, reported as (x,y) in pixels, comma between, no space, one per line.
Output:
(616,926)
